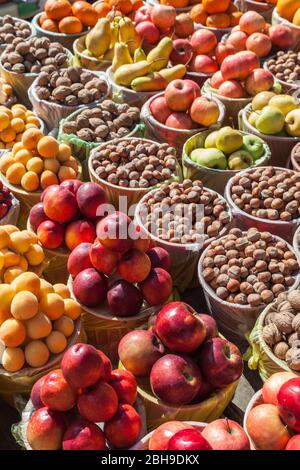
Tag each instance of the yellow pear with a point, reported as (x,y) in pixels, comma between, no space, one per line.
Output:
(98,39)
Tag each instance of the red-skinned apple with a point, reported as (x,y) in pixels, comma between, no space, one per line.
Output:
(56,393)
(163,16)
(281,36)
(45,429)
(124,384)
(237,39)
(83,435)
(223,50)
(184,25)
(217,79)
(160,438)
(203,41)
(182,52)
(273,384)
(211,327)
(188,439)
(113,232)
(82,365)
(159,109)
(179,120)
(232,89)
(90,287)
(123,430)
(179,95)
(289,403)
(225,434)
(143,14)
(103,259)
(294,443)
(149,33)
(202,63)
(98,403)
(79,259)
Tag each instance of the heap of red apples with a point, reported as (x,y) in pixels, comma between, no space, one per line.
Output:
(181,106)
(120,269)
(67,213)
(69,401)
(221,434)
(182,355)
(274,423)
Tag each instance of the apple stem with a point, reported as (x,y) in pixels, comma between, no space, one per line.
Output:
(228,427)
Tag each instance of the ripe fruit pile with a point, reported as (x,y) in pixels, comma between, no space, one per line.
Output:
(5,200)
(67,214)
(116,252)
(216,13)
(183,107)
(182,355)
(38,161)
(63,17)
(228,148)
(37,319)
(87,386)
(19,252)
(13,123)
(274,421)
(289,10)
(275,114)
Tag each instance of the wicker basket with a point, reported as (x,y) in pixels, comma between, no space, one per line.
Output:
(90,63)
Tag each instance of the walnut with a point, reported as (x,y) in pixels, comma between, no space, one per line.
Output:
(292,338)
(86,76)
(22,48)
(60,93)
(41,53)
(43,79)
(84,96)
(296,323)
(271,334)
(294,299)
(280,349)
(70,127)
(101,131)
(76,87)
(18,68)
(42,93)
(292,358)
(71,100)
(269,318)
(86,134)
(73,73)
(283,320)
(15,58)
(285,305)
(82,122)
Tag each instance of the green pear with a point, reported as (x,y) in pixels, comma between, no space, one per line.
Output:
(285,103)
(261,100)
(210,141)
(228,140)
(292,125)
(210,158)
(270,121)
(253,145)
(240,160)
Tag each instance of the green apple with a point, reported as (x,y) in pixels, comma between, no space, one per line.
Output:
(292,125)
(285,103)
(211,158)
(240,160)
(261,100)
(210,141)
(253,145)
(253,117)
(270,121)
(229,140)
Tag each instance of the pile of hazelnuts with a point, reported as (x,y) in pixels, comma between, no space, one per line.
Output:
(285,66)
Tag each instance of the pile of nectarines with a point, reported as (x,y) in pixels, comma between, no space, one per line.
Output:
(14,122)
(38,161)
(36,319)
(87,386)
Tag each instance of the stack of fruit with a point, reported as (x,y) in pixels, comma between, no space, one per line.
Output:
(66,216)
(37,161)
(36,320)
(182,355)
(216,14)
(289,10)
(105,273)
(14,122)
(272,420)
(20,252)
(70,401)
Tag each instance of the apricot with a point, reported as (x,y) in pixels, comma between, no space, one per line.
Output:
(48,178)
(17,124)
(11,274)
(5,162)
(31,137)
(13,359)
(64,153)
(48,147)
(30,181)
(8,135)
(19,106)
(10,258)
(72,309)
(28,281)
(56,342)
(15,173)
(23,156)
(12,332)
(8,146)
(72,163)
(35,255)
(18,112)
(1,260)
(4,120)
(24,305)
(4,237)
(35,164)
(23,263)
(52,305)
(36,353)
(65,325)
(66,173)
(39,326)
(20,241)
(10,228)
(62,290)
(7,293)
(32,119)
(33,236)
(46,288)
(52,164)
(29,126)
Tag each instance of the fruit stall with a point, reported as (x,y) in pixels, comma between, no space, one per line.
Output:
(150,225)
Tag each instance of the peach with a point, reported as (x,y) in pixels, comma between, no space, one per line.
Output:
(45,429)
(35,255)
(60,204)
(203,41)
(237,39)
(259,80)
(202,63)
(28,281)
(52,305)
(10,258)
(259,43)
(13,359)
(31,137)
(107,367)
(223,50)
(20,241)
(113,232)
(50,234)
(71,185)
(39,326)
(56,393)
(134,266)
(72,309)
(35,394)
(4,121)
(98,403)
(79,231)
(82,366)
(125,385)
(37,215)
(56,342)
(48,178)
(15,173)
(90,197)
(124,299)
(238,66)
(8,136)
(232,89)
(12,332)
(65,325)
(204,111)
(48,147)
(252,22)
(79,259)
(157,287)
(123,430)
(83,435)
(7,294)
(159,258)
(72,163)
(36,353)
(179,120)
(102,259)
(90,287)
(24,305)
(62,290)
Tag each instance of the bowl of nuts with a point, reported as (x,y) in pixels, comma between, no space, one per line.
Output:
(267,198)
(130,167)
(285,66)
(183,218)
(241,273)
(11,28)
(88,61)
(56,95)
(22,61)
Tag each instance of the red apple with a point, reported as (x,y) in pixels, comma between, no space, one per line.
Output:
(217,79)
(159,258)
(60,204)
(232,89)
(225,434)
(204,111)
(252,22)
(203,41)
(266,429)
(35,395)
(184,25)
(289,403)
(124,299)
(188,439)
(148,32)
(211,327)
(56,393)
(293,443)
(259,43)
(273,384)
(195,85)
(179,120)
(259,80)
(202,63)
(90,287)
(79,259)
(179,95)
(238,66)
(143,14)
(103,259)
(220,362)
(123,430)
(158,286)
(159,109)
(124,384)
(160,438)
(175,379)
(107,367)
(182,52)
(179,327)
(37,216)
(223,50)
(113,232)
(281,36)
(83,435)
(82,366)
(45,429)
(90,197)
(71,185)
(138,350)
(98,403)
(237,39)
(163,16)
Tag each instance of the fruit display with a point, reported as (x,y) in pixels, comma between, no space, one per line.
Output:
(281,330)
(61,16)
(37,161)
(289,10)
(229,149)
(273,416)
(114,8)
(181,106)
(66,215)
(216,14)
(11,28)
(285,66)
(71,402)
(14,122)
(7,96)
(119,270)
(182,368)
(6,200)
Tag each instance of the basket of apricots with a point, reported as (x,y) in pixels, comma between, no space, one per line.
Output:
(64,22)
(39,322)
(220,16)
(14,122)
(36,162)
